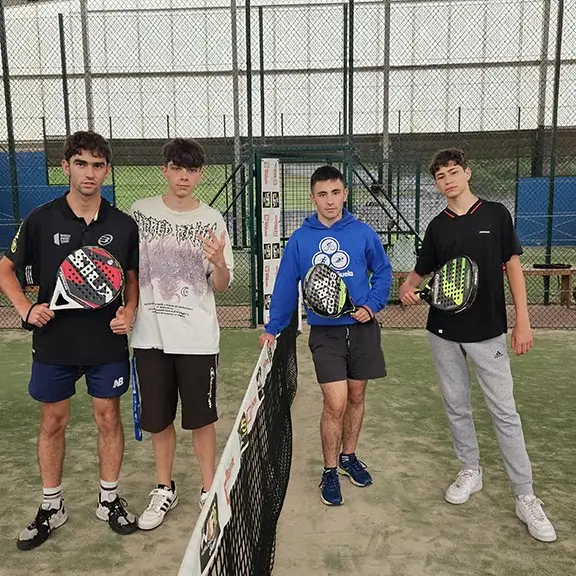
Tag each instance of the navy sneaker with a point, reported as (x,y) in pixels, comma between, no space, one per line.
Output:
(330,492)
(355,469)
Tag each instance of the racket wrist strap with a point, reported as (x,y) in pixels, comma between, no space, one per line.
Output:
(27,325)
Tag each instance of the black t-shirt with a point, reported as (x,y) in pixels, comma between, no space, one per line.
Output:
(46,237)
(486,234)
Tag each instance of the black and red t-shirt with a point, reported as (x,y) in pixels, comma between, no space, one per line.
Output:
(46,237)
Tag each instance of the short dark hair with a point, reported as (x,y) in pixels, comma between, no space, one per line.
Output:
(89,141)
(444,157)
(325,173)
(184,152)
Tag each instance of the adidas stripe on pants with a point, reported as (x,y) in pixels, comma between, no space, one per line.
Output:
(492,364)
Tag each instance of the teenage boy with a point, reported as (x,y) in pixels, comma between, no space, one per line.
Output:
(69,344)
(186,256)
(484,231)
(347,351)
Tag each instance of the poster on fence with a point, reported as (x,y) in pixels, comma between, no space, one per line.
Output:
(271,247)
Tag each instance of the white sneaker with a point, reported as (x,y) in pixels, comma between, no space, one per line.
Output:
(529,510)
(162,501)
(467,482)
(202,499)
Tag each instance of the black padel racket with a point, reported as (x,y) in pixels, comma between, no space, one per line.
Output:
(88,278)
(452,288)
(325,293)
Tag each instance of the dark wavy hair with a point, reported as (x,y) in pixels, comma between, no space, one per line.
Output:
(89,141)
(444,157)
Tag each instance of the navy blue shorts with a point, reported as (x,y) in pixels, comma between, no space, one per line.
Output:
(53,382)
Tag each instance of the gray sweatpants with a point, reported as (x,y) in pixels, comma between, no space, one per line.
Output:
(492,365)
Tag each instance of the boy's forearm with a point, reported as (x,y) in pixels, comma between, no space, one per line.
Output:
(518,288)
(414,279)
(220,278)
(10,285)
(131,291)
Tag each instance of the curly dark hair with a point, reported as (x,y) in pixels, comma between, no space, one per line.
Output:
(89,141)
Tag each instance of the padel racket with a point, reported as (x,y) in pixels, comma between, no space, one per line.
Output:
(452,288)
(88,278)
(325,293)
(136,403)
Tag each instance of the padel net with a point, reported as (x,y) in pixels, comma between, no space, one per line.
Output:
(235,534)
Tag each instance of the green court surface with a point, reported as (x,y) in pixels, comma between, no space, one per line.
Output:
(400,526)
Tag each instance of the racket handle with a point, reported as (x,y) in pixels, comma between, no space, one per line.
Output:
(424,294)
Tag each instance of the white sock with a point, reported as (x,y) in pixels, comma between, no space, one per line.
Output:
(52,497)
(108,491)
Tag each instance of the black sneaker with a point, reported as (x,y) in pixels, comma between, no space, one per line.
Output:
(47,519)
(115,513)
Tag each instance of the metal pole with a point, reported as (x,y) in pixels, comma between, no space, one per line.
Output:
(412,62)
(418,198)
(386,95)
(249,116)
(86,59)
(483,71)
(226,172)
(112,171)
(538,156)
(351,72)
(261,50)
(45,147)
(553,143)
(236,186)
(257,275)
(249,75)
(9,121)
(345,74)
(350,178)
(65,93)
(518,126)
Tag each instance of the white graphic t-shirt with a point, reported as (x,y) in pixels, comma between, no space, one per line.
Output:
(177,310)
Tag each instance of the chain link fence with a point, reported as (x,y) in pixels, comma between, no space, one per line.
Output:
(376,87)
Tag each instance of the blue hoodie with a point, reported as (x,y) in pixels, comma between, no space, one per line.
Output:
(350,247)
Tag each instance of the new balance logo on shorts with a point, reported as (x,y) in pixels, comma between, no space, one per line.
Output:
(118,382)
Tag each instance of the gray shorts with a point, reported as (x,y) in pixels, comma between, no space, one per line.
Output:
(347,352)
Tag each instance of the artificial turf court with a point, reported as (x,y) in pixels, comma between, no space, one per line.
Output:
(400,526)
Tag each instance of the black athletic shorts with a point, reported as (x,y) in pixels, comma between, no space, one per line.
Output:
(347,352)
(162,376)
